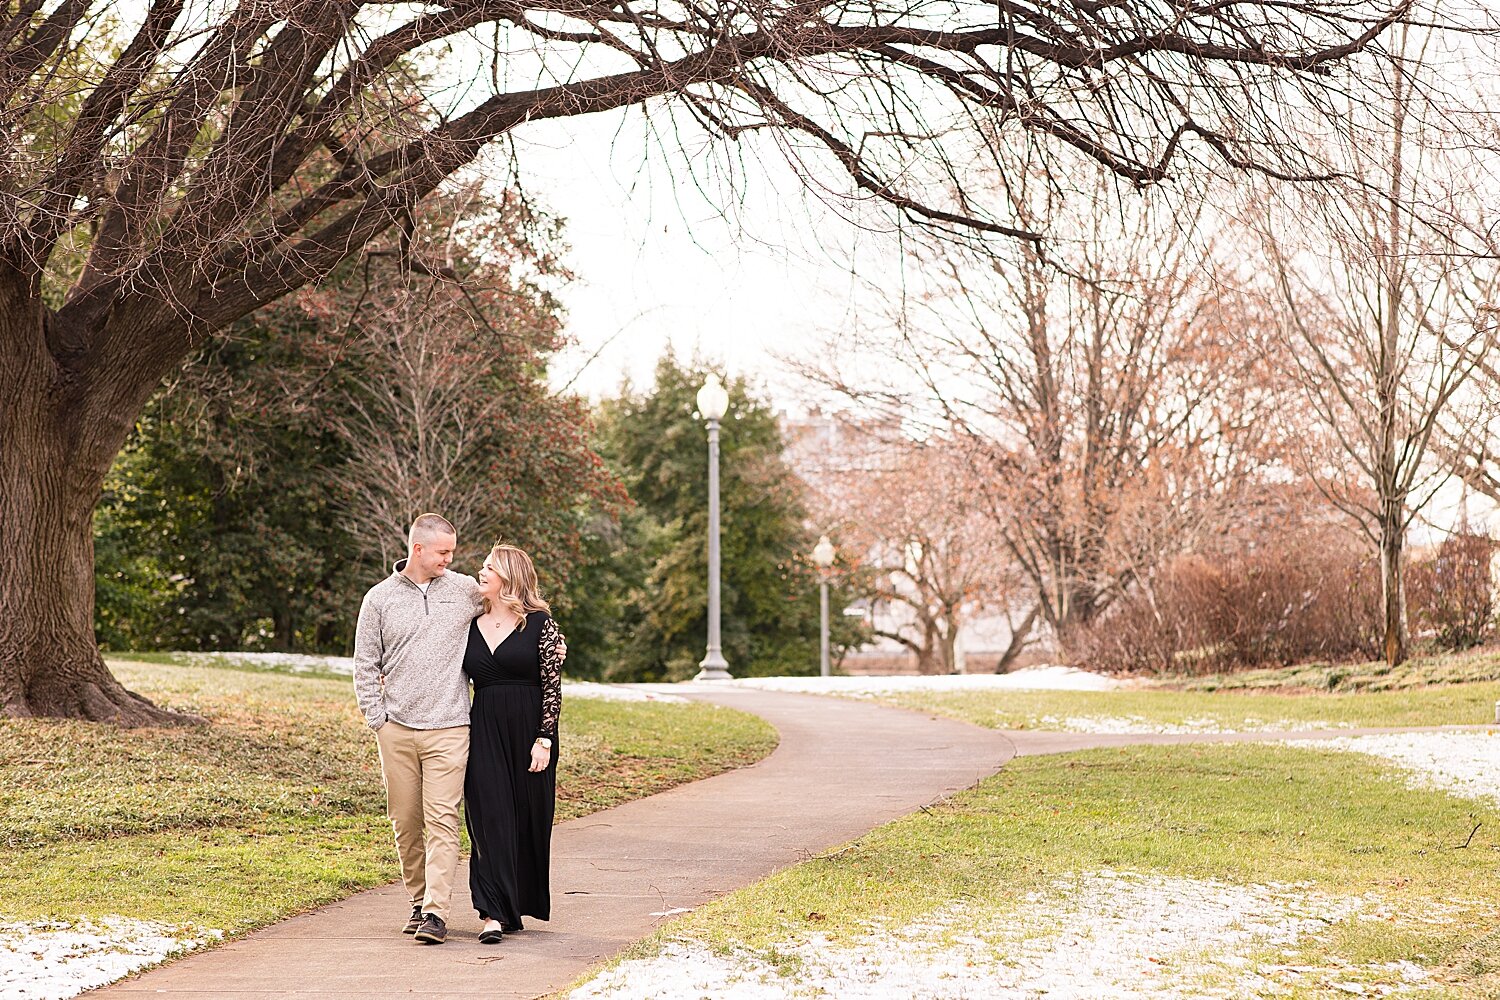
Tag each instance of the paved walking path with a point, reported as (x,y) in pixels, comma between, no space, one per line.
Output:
(842,767)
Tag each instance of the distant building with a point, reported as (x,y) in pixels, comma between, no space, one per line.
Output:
(821,448)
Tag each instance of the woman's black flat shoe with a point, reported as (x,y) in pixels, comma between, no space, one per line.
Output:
(490,937)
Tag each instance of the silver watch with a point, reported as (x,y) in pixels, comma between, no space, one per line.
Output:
(545,743)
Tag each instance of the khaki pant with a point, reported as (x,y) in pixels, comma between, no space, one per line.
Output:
(424,784)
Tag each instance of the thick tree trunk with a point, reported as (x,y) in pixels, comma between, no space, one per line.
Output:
(1020,637)
(58,441)
(930,658)
(1066,599)
(948,647)
(283,627)
(1069,626)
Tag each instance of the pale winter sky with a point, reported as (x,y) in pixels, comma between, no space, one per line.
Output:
(675,245)
(737,262)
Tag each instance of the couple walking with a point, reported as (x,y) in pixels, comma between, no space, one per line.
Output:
(423,635)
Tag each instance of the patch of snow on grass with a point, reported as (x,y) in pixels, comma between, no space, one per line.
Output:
(617,692)
(295,662)
(1108,934)
(53,960)
(1052,678)
(1464,763)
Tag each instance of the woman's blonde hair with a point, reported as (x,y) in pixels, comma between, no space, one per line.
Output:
(518,589)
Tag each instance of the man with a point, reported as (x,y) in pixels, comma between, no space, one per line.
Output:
(409,680)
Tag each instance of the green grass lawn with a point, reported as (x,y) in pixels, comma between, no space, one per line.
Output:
(1438,690)
(1438,705)
(1326,823)
(1480,664)
(277,806)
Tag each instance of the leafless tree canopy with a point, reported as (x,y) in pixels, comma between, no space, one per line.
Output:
(233,151)
(913,518)
(1386,286)
(1107,393)
(169,166)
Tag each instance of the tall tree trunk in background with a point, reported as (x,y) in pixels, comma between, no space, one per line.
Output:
(1386,336)
(948,645)
(1020,638)
(283,627)
(930,659)
(1391,366)
(1393,589)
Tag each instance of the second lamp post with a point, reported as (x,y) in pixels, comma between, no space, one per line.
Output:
(713,403)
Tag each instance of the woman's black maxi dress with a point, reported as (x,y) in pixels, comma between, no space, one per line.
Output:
(517,697)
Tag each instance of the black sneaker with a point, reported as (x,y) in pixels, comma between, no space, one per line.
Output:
(493,936)
(433,929)
(414,921)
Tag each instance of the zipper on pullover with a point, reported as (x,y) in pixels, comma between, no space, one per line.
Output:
(426,612)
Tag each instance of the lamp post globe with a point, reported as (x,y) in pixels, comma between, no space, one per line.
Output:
(713,400)
(713,403)
(823,555)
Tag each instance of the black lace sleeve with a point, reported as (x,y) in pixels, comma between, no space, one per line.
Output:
(551,663)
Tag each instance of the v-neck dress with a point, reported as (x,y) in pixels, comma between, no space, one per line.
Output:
(509,810)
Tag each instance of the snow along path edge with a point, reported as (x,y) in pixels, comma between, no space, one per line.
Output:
(1123,935)
(58,959)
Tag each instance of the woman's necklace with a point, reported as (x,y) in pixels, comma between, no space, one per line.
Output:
(493,629)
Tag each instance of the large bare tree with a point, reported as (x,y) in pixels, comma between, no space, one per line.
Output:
(171,166)
(1387,288)
(1100,385)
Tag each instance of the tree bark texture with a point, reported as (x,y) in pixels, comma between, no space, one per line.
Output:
(1391,365)
(1393,588)
(1020,638)
(59,431)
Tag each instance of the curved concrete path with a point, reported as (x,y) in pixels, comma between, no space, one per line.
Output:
(842,768)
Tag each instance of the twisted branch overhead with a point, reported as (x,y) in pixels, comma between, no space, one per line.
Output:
(212,155)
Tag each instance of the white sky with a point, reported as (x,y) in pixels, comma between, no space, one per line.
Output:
(676,246)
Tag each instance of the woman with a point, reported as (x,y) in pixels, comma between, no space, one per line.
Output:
(514,657)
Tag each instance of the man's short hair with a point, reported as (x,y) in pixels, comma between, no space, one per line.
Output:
(427,525)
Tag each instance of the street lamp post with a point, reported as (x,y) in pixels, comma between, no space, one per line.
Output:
(823,557)
(713,403)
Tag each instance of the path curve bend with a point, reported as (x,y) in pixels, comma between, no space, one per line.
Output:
(842,768)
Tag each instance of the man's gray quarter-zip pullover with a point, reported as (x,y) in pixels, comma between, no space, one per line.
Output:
(409,650)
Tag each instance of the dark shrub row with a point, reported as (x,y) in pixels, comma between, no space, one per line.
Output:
(1312,595)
